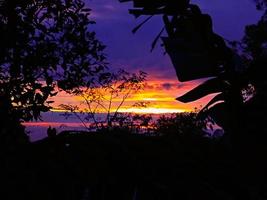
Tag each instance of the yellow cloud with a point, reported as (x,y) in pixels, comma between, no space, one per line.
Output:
(161,98)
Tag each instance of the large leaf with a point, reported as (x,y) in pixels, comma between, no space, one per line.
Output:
(211,86)
(204,112)
(217,98)
(220,114)
(190,57)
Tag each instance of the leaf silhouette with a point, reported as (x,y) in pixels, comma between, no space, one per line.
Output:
(141,24)
(156,39)
(211,86)
(217,98)
(220,114)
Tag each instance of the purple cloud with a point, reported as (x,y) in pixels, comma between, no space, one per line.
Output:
(167,86)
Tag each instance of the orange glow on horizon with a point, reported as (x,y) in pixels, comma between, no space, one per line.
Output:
(52,124)
(152,110)
(159,94)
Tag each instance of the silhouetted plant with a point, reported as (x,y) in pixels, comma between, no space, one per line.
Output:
(144,122)
(45,46)
(240,86)
(135,123)
(181,124)
(198,52)
(106,99)
(261,4)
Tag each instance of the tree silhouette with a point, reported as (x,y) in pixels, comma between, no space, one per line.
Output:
(261,4)
(181,125)
(197,51)
(241,88)
(45,46)
(108,98)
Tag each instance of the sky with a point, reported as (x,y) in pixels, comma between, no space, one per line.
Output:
(132,51)
(114,25)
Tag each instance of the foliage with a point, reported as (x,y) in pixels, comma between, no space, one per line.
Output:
(208,55)
(239,79)
(237,89)
(261,4)
(45,45)
(133,123)
(138,124)
(107,99)
(181,124)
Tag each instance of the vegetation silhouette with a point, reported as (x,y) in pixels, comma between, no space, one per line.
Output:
(45,46)
(197,52)
(106,100)
(179,162)
(238,78)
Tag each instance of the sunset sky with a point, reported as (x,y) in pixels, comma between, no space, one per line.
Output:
(132,51)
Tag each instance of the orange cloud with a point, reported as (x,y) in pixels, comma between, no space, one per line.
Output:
(160,95)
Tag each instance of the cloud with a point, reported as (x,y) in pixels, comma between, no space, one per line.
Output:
(180,85)
(149,87)
(106,10)
(110,7)
(167,86)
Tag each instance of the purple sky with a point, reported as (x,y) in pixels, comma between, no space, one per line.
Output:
(132,52)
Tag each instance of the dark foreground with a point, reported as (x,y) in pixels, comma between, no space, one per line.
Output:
(134,167)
